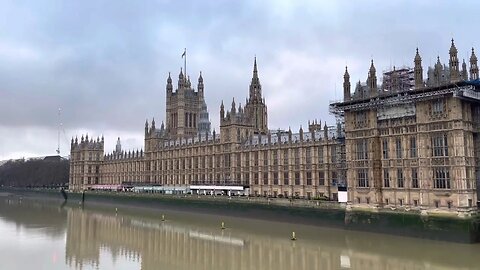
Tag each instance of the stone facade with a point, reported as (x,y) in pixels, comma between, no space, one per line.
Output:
(183,152)
(417,148)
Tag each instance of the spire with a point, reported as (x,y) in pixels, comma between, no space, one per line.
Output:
(169,87)
(255,87)
(118,147)
(346,85)
(464,71)
(372,80)
(418,70)
(153,123)
(146,126)
(453,63)
(437,71)
(233,110)
(200,86)
(473,66)
(222,111)
(181,80)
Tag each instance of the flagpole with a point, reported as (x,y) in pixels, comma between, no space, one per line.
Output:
(185,62)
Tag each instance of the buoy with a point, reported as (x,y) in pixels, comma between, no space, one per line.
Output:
(293,236)
(223,225)
(163,217)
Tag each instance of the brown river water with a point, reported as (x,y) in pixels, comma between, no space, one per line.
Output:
(36,234)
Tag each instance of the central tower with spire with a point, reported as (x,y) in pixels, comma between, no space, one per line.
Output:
(255,107)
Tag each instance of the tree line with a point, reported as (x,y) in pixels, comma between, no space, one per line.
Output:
(35,173)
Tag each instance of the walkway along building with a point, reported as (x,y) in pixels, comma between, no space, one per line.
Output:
(183,152)
(418,147)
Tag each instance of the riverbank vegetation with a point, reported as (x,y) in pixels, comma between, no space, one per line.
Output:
(46,172)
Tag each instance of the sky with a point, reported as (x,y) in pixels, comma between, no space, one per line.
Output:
(104,63)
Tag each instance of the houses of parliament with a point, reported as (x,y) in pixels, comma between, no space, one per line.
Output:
(403,144)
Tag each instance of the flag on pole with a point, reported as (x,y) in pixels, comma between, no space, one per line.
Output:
(184,53)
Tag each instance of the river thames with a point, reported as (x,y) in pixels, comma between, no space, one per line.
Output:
(39,234)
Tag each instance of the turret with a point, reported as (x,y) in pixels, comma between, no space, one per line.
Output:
(346,85)
(200,86)
(181,80)
(473,66)
(437,71)
(453,63)
(464,71)
(233,110)
(222,111)
(418,71)
(325,131)
(169,84)
(372,80)
(146,126)
(118,147)
(153,124)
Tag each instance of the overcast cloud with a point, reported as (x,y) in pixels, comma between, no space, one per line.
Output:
(105,62)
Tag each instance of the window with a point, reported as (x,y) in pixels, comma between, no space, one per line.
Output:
(297,178)
(440,145)
(415,178)
(362,149)
(437,106)
(361,118)
(413,147)
(415,202)
(296,153)
(400,201)
(255,175)
(362,177)
(309,178)
(285,157)
(386,178)
(308,158)
(334,153)
(320,154)
(441,178)
(321,178)
(265,158)
(398,147)
(275,178)
(385,148)
(285,178)
(400,180)
(265,178)
(275,157)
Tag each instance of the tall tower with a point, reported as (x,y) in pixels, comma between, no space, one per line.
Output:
(346,85)
(255,108)
(453,63)
(473,66)
(184,108)
(418,71)
(372,80)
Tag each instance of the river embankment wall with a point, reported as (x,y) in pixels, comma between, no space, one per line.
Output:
(309,212)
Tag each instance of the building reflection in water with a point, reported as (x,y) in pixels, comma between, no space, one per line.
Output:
(194,241)
(193,245)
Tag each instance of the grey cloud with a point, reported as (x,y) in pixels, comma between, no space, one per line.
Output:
(105,62)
